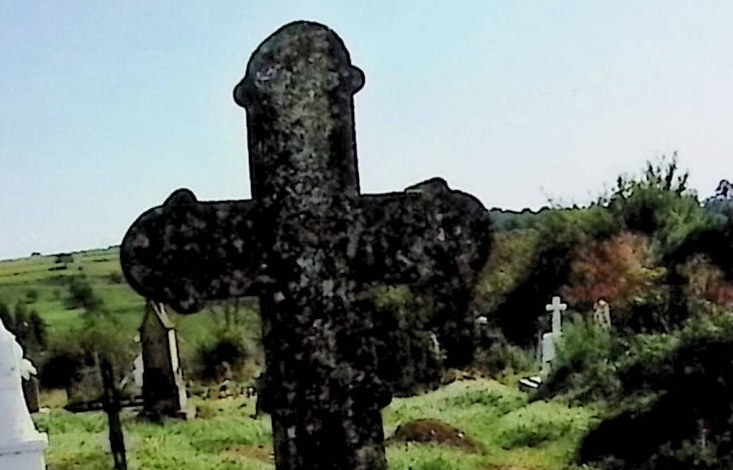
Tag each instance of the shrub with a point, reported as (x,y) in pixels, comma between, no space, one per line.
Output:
(81,295)
(63,360)
(31,296)
(614,270)
(405,350)
(503,358)
(64,258)
(585,366)
(224,348)
(115,277)
(687,379)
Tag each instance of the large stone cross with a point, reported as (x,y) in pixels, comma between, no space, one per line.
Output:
(309,245)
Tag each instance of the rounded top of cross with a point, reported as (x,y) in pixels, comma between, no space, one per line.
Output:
(300,55)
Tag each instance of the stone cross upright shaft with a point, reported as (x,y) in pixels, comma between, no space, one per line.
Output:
(556,307)
(308,245)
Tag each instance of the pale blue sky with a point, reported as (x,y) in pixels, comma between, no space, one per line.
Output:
(107,107)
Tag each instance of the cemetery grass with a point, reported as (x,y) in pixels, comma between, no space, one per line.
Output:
(510,432)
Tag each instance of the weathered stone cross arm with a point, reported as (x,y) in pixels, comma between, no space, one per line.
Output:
(185,252)
(308,244)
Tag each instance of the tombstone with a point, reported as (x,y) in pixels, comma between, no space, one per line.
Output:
(602,315)
(309,244)
(551,339)
(112,407)
(164,390)
(21,445)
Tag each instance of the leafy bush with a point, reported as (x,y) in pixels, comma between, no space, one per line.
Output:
(503,358)
(221,350)
(64,258)
(115,277)
(408,361)
(31,296)
(687,379)
(659,204)
(81,295)
(63,359)
(615,270)
(585,365)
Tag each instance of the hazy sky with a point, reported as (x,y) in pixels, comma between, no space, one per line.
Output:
(107,107)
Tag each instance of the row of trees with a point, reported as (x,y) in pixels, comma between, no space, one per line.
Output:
(649,248)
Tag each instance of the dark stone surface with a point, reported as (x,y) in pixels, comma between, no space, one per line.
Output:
(31,393)
(112,409)
(308,245)
(164,392)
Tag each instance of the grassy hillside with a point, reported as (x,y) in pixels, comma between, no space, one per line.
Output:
(510,432)
(47,278)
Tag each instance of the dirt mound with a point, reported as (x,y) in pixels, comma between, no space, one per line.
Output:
(433,431)
(260,453)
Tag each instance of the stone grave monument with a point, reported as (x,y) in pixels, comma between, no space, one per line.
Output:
(547,346)
(602,315)
(21,445)
(164,390)
(551,339)
(308,245)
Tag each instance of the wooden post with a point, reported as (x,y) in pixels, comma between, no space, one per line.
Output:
(112,408)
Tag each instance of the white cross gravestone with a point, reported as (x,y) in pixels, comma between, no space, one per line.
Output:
(549,340)
(21,445)
(547,346)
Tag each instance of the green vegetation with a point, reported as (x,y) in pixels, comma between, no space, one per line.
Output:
(89,304)
(511,433)
(653,392)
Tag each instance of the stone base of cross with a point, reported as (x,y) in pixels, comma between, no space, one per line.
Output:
(550,340)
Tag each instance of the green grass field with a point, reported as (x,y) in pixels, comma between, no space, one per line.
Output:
(513,434)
